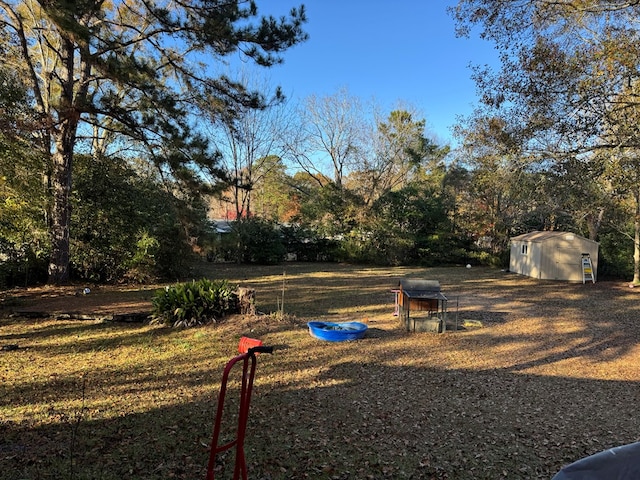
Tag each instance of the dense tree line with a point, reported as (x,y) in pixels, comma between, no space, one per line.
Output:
(114,143)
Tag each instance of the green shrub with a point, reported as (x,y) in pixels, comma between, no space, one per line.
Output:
(616,255)
(126,226)
(254,240)
(306,245)
(143,266)
(194,303)
(21,264)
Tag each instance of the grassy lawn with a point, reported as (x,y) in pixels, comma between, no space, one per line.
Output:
(550,377)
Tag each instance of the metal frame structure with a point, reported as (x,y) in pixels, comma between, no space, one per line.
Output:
(422,296)
(248,348)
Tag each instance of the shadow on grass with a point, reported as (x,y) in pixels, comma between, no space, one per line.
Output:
(40,329)
(464,405)
(357,420)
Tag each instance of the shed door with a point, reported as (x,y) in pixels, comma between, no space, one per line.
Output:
(567,264)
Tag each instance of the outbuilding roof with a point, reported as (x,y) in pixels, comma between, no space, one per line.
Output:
(543,236)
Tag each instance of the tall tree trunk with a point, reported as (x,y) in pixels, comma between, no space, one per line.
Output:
(636,253)
(60,218)
(593,224)
(64,137)
(636,242)
(61,208)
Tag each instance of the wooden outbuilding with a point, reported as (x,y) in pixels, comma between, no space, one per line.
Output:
(553,255)
(422,306)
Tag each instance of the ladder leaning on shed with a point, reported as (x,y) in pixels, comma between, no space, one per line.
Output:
(587,268)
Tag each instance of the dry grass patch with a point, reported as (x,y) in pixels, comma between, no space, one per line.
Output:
(551,377)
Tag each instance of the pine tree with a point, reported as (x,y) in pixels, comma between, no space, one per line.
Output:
(136,64)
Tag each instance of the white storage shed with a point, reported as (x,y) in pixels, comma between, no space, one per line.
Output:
(552,255)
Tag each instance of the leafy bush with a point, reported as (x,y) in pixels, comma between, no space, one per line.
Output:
(21,265)
(194,303)
(254,240)
(143,266)
(409,226)
(306,245)
(481,257)
(616,256)
(126,226)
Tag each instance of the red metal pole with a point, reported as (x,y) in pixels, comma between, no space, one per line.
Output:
(248,348)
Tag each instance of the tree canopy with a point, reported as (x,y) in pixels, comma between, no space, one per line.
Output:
(567,69)
(132,67)
(567,92)
(116,120)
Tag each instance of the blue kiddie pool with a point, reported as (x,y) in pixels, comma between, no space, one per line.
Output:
(337,332)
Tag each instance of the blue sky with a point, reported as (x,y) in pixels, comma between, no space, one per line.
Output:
(401,50)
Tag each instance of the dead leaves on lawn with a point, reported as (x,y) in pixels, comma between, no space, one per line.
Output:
(550,377)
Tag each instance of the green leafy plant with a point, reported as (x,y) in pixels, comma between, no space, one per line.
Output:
(194,303)
(254,240)
(143,266)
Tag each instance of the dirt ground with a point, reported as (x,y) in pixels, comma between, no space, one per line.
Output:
(530,296)
(97,301)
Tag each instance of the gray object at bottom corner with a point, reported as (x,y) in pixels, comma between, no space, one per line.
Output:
(618,463)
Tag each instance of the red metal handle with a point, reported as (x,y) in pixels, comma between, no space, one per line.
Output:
(248,348)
